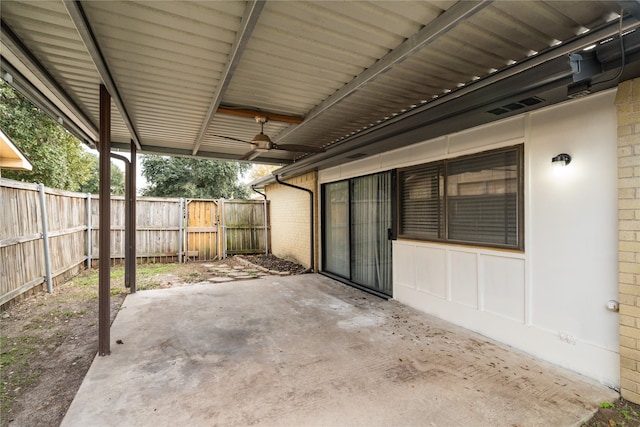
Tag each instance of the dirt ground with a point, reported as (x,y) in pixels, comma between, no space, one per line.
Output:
(48,341)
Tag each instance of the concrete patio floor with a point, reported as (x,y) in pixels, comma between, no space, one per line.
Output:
(308,351)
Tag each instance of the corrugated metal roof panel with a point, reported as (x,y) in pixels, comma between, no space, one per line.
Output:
(47,30)
(189,42)
(319,46)
(168,59)
(494,38)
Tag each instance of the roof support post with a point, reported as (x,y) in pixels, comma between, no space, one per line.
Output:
(130,194)
(104,277)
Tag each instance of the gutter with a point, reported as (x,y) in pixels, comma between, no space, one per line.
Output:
(548,70)
(311,221)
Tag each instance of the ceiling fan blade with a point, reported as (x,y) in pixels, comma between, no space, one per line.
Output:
(231,138)
(250,155)
(300,148)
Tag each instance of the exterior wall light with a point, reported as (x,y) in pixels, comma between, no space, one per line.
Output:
(561,159)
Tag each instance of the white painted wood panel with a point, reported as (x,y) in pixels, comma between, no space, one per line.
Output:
(464,278)
(431,271)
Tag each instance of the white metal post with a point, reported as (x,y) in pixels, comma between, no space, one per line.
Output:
(181,231)
(89,241)
(45,238)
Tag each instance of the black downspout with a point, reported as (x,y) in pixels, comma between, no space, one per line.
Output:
(266,235)
(312,252)
(262,194)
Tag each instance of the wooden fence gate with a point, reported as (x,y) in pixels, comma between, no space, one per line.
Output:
(202,240)
(217,228)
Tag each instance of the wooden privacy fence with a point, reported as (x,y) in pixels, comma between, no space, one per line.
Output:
(48,235)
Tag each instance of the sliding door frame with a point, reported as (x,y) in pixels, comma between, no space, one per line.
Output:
(392,234)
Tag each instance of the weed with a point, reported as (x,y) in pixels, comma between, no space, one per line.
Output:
(150,284)
(14,363)
(60,313)
(625,414)
(115,291)
(87,278)
(156,268)
(607,405)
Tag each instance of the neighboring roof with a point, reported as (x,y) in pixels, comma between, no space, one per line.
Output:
(10,156)
(344,68)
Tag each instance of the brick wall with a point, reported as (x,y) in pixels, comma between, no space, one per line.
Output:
(628,108)
(290,220)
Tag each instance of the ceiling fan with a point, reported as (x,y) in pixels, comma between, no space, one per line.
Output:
(261,143)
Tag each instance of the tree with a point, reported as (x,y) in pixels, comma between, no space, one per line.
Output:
(57,157)
(260,170)
(93,183)
(193,178)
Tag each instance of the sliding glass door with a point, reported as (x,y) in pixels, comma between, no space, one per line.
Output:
(336,228)
(356,225)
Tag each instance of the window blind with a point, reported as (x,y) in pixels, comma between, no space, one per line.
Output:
(480,202)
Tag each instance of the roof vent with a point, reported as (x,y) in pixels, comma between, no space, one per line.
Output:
(498,111)
(523,103)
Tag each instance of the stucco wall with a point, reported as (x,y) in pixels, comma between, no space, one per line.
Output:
(290,219)
(549,300)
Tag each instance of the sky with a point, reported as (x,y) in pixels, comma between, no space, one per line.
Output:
(140,181)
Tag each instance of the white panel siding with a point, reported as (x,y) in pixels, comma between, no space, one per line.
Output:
(463,271)
(574,220)
(429,149)
(505,130)
(404,266)
(431,271)
(549,300)
(503,286)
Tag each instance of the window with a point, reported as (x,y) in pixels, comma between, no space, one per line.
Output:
(473,199)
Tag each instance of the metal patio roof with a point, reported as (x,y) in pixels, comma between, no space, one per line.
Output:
(187,78)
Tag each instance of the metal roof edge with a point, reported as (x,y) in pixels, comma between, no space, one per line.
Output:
(378,135)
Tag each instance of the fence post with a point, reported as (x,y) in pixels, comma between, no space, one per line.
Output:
(223,228)
(181,232)
(45,238)
(89,242)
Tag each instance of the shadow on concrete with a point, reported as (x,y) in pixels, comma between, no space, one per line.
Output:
(306,350)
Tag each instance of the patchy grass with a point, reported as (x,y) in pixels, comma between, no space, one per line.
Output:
(613,414)
(48,341)
(15,355)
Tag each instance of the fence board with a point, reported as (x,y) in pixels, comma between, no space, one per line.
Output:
(20,231)
(245,227)
(158,225)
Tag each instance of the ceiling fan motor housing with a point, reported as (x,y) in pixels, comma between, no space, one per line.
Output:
(261,142)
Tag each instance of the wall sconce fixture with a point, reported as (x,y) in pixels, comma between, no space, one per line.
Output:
(561,159)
